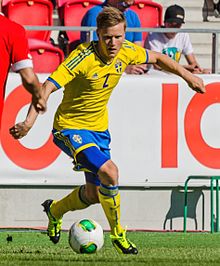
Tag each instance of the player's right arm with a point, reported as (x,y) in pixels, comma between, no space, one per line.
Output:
(21,129)
(168,64)
(21,63)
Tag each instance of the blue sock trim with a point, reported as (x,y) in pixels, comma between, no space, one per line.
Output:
(109,191)
(109,187)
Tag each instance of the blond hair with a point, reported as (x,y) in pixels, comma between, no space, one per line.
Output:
(109,17)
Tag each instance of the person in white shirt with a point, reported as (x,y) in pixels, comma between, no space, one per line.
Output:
(174,44)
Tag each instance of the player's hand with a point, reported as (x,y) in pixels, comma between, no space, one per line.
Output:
(196,84)
(136,69)
(19,130)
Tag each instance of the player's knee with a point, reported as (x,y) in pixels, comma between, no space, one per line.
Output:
(108,173)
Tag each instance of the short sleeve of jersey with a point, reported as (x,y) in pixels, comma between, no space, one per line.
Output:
(67,70)
(135,53)
(20,56)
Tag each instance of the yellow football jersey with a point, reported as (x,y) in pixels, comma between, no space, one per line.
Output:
(88,83)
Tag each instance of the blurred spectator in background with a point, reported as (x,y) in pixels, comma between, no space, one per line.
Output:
(14,50)
(216,4)
(174,44)
(132,21)
(211,8)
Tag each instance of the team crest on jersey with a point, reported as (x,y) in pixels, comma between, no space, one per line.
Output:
(118,66)
(77,138)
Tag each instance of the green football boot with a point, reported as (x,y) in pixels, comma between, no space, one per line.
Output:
(54,225)
(122,244)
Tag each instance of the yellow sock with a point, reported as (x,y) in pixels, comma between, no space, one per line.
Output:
(71,202)
(109,198)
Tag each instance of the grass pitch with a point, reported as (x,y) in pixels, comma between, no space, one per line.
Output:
(34,248)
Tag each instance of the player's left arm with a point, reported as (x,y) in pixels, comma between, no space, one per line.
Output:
(168,64)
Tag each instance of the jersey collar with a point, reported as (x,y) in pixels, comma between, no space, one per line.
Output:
(95,44)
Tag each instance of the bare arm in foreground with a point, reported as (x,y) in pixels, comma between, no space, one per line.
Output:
(21,129)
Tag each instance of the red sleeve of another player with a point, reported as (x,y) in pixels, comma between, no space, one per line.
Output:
(20,50)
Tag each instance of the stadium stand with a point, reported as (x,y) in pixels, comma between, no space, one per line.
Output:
(150,14)
(70,14)
(74,10)
(32,13)
(46,57)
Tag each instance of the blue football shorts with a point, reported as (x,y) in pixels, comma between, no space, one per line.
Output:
(89,150)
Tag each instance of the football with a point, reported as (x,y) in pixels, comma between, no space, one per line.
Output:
(86,236)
